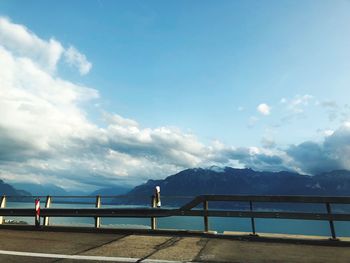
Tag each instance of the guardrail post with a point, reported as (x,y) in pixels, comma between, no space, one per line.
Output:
(47,205)
(206,219)
(98,205)
(37,212)
(157,196)
(252,218)
(153,219)
(2,205)
(331,223)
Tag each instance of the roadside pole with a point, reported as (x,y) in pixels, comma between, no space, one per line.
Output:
(37,212)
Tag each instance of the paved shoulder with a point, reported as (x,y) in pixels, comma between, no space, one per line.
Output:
(247,251)
(47,246)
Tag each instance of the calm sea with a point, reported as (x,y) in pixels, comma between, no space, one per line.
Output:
(286,226)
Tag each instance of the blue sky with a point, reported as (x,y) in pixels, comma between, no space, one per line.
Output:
(201,82)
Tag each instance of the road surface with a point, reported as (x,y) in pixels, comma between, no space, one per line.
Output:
(56,246)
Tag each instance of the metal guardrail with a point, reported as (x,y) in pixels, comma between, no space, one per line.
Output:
(187,209)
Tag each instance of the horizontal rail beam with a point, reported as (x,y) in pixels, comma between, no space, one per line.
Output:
(283,199)
(75,196)
(108,212)
(199,199)
(148,212)
(17,212)
(272,215)
(88,212)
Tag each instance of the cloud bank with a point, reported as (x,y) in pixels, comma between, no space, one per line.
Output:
(46,135)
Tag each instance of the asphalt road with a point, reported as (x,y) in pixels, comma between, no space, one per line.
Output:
(99,247)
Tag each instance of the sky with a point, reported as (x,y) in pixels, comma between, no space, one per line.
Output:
(101,93)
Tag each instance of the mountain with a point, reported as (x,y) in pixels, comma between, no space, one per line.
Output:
(115,190)
(230,181)
(40,189)
(53,190)
(6,189)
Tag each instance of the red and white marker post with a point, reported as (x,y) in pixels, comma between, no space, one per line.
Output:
(37,212)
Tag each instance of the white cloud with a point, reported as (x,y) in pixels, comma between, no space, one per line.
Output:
(328,132)
(294,108)
(164,145)
(45,53)
(37,107)
(298,104)
(119,120)
(253,157)
(264,109)
(78,60)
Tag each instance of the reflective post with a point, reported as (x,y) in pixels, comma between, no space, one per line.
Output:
(98,205)
(2,205)
(153,219)
(47,205)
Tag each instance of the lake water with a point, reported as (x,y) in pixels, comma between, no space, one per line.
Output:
(286,226)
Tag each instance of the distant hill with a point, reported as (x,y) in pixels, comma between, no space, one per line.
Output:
(40,189)
(198,181)
(6,189)
(52,190)
(115,190)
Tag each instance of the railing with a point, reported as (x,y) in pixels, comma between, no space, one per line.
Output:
(188,210)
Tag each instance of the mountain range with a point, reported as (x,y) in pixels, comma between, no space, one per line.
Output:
(231,181)
(213,180)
